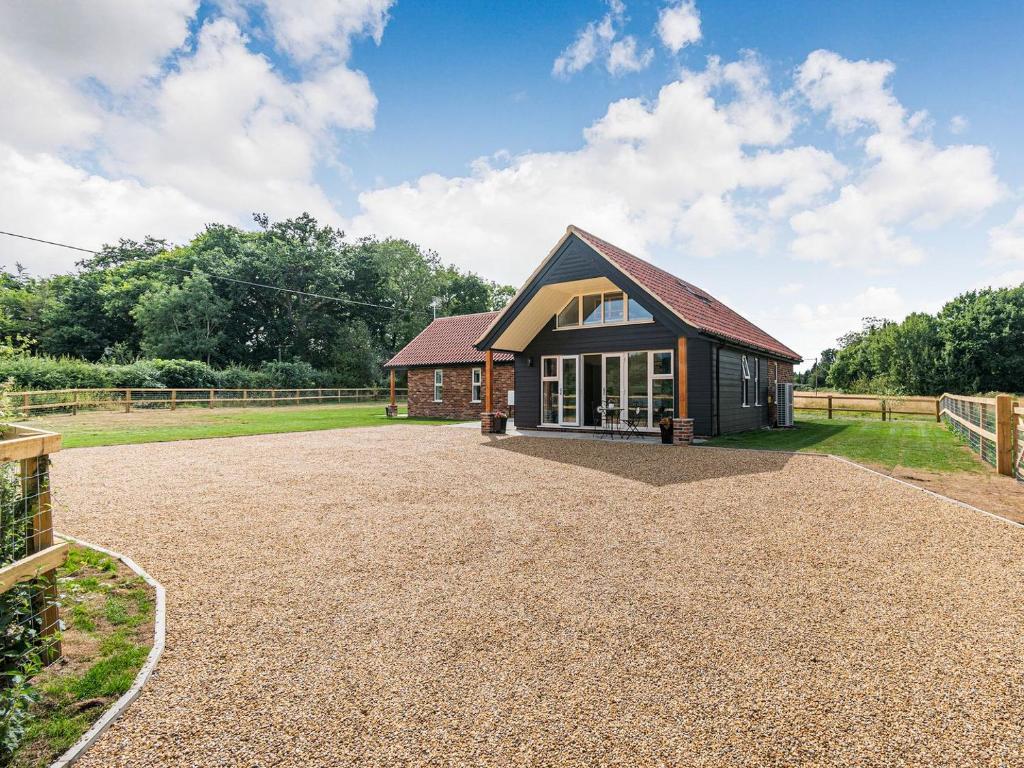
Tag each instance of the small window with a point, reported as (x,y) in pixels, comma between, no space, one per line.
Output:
(438,384)
(550,367)
(570,314)
(477,384)
(614,307)
(757,381)
(745,382)
(592,309)
(662,364)
(637,312)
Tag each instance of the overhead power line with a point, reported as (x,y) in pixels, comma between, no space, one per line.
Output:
(193,272)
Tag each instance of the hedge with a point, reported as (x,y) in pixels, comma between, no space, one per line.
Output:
(27,372)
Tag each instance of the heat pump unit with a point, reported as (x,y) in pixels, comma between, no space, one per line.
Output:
(784,404)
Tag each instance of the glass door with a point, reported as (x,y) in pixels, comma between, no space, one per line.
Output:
(549,390)
(570,377)
(612,383)
(637,389)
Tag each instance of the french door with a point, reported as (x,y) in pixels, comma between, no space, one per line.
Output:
(560,379)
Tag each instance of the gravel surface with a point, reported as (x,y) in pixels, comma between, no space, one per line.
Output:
(431,596)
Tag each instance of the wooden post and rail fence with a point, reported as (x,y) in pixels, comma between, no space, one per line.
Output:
(30,557)
(127,399)
(993,427)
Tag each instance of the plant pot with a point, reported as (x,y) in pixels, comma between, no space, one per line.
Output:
(500,422)
(666,434)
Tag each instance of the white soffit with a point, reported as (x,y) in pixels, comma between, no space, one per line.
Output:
(542,307)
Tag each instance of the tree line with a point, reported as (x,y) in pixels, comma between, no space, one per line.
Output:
(974,344)
(206,301)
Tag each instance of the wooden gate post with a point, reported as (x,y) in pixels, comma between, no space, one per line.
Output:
(35,484)
(1005,434)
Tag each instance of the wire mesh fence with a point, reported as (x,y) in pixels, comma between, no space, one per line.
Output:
(29,608)
(973,419)
(1018,458)
(127,399)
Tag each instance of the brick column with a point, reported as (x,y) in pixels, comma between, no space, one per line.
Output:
(486,422)
(391,410)
(682,431)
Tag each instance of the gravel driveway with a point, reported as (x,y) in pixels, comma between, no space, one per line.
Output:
(430,596)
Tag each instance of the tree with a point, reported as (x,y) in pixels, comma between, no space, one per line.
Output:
(185,321)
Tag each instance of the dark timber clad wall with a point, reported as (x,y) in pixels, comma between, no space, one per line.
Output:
(698,361)
(733,416)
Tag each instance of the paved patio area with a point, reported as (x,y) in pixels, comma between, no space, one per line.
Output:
(432,596)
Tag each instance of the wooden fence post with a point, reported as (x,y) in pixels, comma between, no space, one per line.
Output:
(830,406)
(938,410)
(174,399)
(211,398)
(273,397)
(127,401)
(74,404)
(24,403)
(1005,434)
(36,491)
(245,397)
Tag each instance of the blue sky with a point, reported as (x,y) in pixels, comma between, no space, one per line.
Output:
(808,163)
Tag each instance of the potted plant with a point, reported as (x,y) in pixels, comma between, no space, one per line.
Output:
(500,422)
(666,430)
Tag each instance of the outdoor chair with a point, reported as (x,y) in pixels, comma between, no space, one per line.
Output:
(632,423)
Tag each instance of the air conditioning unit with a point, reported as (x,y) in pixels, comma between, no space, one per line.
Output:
(784,404)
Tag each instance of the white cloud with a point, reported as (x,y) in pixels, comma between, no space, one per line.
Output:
(813,327)
(959,124)
(1006,242)
(623,57)
(685,171)
(679,25)
(324,28)
(908,181)
(118,42)
(790,289)
(49,198)
(599,40)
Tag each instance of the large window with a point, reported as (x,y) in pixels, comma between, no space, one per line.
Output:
(608,308)
(662,382)
(477,382)
(745,381)
(438,384)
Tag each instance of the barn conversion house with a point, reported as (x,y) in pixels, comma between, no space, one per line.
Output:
(596,331)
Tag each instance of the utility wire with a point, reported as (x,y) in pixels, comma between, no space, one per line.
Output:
(228,279)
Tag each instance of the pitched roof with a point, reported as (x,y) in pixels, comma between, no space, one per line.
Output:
(694,306)
(448,341)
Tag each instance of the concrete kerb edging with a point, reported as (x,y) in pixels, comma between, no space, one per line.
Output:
(861,467)
(159,629)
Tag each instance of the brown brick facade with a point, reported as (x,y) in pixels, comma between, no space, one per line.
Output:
(456,392)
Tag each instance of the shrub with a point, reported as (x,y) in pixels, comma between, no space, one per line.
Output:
(290,375)
(27,372)
(141,374)
(240,377)
(185,374)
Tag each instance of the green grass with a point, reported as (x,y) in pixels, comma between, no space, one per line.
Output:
(910,443)
(104,428)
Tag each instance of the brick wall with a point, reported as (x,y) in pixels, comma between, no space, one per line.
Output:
(456,392)
(785,372)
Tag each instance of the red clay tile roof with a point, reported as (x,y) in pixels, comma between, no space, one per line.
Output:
(447,341)
(696,307)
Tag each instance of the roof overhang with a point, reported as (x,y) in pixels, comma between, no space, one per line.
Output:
(547,302)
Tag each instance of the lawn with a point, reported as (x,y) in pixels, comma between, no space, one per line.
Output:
(905,443)
(87,430)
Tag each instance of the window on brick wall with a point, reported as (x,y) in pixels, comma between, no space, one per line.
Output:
(477,384)
(438,384)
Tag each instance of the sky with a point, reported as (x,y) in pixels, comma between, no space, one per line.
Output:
(809,164)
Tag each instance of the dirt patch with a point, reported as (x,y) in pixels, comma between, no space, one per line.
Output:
(424,596)
(995,493)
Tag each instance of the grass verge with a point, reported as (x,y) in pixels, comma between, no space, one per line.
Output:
(88,430)
(888,444)
(108,613)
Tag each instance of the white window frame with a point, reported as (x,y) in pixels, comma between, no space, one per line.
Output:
(438,385)
(579,324)
(744,381)
(559,359)
(477,385)
(652,377)
(757,381)
(557,378)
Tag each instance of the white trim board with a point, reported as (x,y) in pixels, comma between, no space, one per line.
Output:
(119,706)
